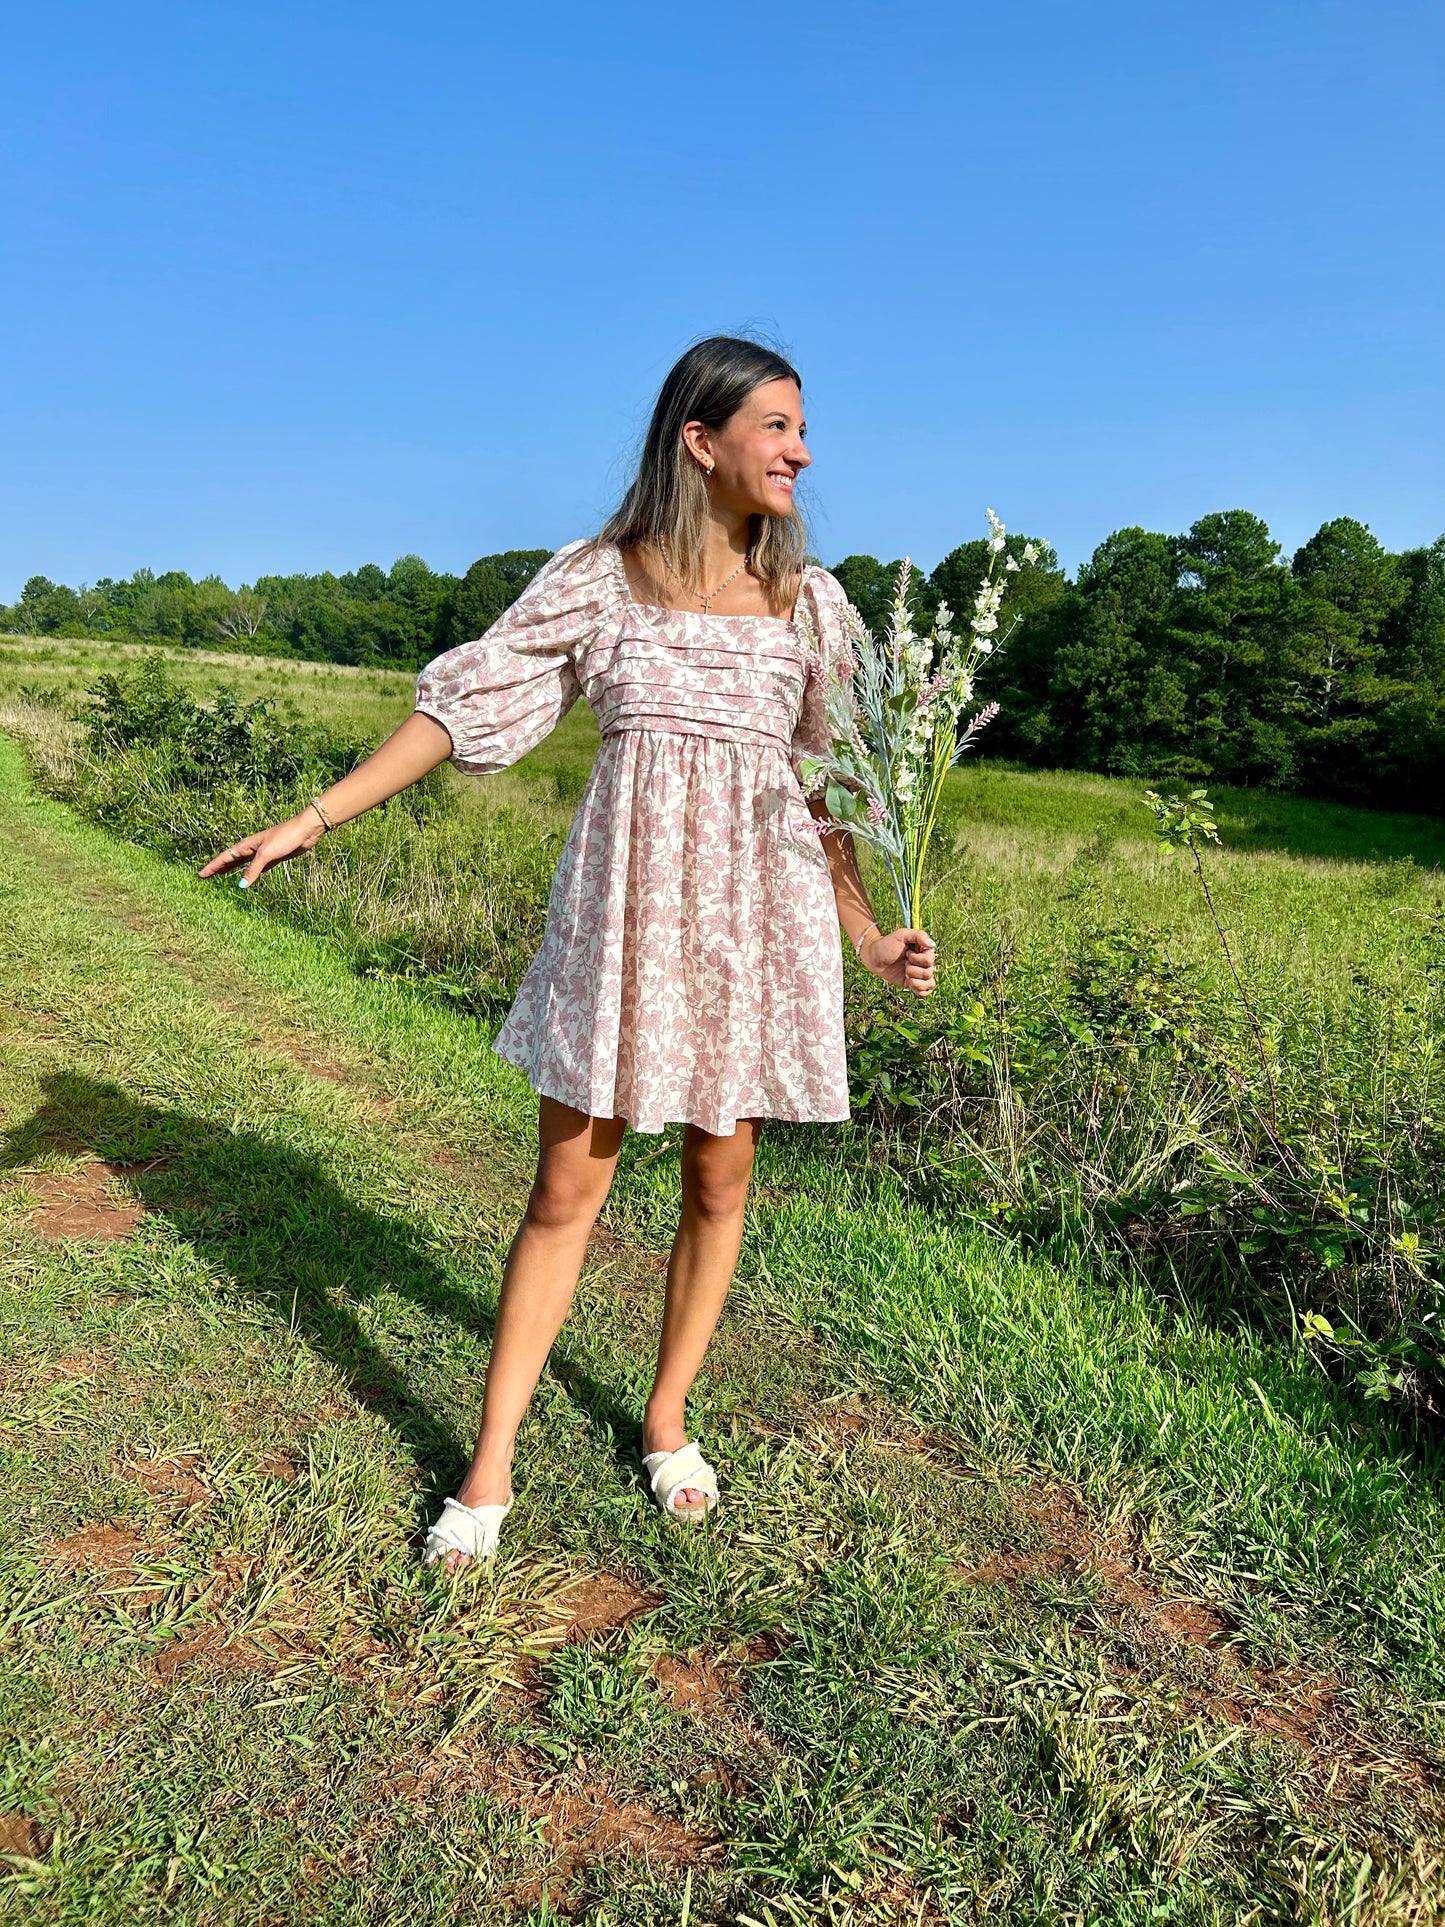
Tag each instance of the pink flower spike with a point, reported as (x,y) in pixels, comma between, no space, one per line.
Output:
(876,811)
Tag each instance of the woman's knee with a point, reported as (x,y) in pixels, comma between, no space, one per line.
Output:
(717,1195)
(561,1198)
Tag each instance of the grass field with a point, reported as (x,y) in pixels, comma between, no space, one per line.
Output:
(1039,1595)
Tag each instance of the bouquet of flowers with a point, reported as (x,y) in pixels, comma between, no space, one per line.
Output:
(898,708)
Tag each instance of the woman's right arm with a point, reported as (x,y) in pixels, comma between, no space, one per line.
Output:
(408,754)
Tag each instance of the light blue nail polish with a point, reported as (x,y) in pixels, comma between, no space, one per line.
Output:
(242,884)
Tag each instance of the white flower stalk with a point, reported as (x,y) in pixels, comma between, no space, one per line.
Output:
(898,708)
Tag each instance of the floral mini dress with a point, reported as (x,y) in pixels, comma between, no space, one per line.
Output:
(691,970)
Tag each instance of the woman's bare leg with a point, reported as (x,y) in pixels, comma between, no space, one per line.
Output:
(715,1176)
(576,1157)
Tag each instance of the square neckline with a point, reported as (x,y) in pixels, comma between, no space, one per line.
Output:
(702,615)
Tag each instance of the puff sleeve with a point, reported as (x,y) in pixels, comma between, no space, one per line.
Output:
(825,616)
(499,696)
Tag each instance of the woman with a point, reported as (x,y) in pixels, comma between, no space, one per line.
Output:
(690,971)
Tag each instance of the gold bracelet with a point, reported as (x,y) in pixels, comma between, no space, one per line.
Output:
(321,813)
(858,940)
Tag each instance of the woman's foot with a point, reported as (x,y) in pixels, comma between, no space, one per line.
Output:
(484,1485)
(670,1435)
(464,1535)
(661,1438)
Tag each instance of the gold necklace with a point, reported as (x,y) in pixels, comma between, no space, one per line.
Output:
(697,594)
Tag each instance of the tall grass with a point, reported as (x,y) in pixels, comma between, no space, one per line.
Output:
(444,889)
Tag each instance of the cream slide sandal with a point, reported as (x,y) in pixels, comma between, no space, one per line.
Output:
(670,1473)
(471,1530)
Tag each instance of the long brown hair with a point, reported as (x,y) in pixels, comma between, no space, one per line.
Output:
(667,498)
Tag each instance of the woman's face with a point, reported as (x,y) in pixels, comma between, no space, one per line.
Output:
(758,454)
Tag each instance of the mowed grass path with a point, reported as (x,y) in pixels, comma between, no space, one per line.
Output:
(1030,1600)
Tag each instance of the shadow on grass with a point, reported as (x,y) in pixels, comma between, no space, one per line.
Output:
(1340,832)
(1083,803)
(291,1241)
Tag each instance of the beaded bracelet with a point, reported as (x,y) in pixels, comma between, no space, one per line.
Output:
(322,814)
(858,940)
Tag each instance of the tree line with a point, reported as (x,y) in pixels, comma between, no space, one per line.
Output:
(395,618)
(1211,657)
(1208,656)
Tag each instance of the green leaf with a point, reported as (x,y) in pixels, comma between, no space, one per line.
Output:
(843,804)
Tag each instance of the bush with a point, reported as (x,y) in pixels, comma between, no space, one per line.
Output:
(206,745)
(1285,1165)
(451,900)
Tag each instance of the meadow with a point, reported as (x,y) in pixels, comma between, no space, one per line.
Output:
(1081,1559)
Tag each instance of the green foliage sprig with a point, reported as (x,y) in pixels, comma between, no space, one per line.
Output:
(1182,824)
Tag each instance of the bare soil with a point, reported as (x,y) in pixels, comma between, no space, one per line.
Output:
(601,1603)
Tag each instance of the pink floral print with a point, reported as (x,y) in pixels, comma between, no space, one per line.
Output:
(690,970)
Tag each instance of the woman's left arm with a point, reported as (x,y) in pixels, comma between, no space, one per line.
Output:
(903,957)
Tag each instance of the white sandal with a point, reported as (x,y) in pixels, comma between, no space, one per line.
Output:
(471,1530)
(670,1473)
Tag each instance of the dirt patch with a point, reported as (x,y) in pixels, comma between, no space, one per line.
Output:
(1015,1568)
(96,1549)
(320,1067)
(1193,1623)
(893,1900)
(879,1427)
(691,1682)
(605,1249)
(208,1647)
(23,1837)
(589,1821)
(78,1204)
(176,1481)
(580,1820)
(1070,1546)
(599,1604)
(87,1365)
(1188,1650)
(295,1045)
(1190,1653)
(763,1648)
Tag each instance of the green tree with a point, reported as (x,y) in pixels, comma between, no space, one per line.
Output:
(868,585)
(417,607)
(1229,631)
(1407,757)
(1349,588)
(367,584)
(1017,676)
(1115,695)
(490,585)
(48,608)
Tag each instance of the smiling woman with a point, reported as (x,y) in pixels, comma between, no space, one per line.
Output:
(691,970)
(728,425)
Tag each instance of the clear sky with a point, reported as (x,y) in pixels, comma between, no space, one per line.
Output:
(301,286)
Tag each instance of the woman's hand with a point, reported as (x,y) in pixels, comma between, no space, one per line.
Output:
(903,957)
(257,854)
(408,754)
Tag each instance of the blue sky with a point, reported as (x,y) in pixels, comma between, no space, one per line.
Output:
(298,287)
